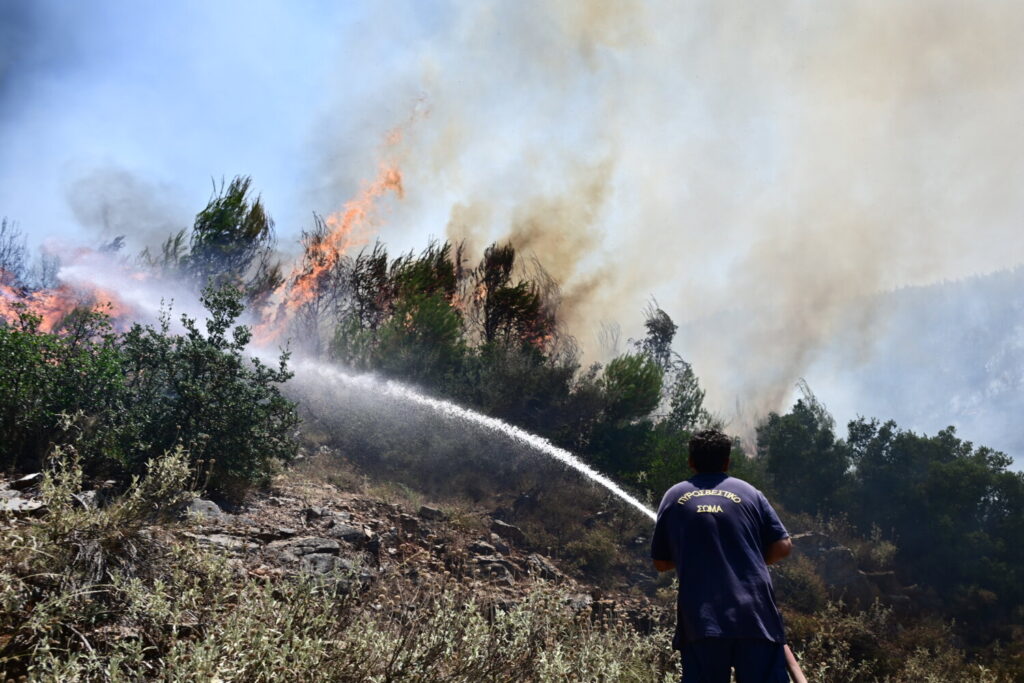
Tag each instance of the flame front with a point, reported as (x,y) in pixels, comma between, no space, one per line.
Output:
(53,305)
(347,229)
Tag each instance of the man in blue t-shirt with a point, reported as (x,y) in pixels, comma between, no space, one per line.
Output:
(720,534)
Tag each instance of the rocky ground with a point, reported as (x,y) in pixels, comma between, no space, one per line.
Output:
(363,543)
(359,541)
(316,529)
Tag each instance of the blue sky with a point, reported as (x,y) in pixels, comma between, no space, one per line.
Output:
(172,94)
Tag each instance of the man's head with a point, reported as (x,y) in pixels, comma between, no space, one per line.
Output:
(709,451)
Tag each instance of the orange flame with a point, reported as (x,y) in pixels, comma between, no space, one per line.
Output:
(347,229)
(53,305)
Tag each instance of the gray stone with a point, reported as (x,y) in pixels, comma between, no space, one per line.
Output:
(275,533)
(7,494)
(204,509)
(27,482)
(509,532)
(22,507)
(347,533)
(541,566)
(497,567)
(318,563)
(432,513)
(499,544)
(579,601)
(409,523)
(89,500)
(886,582)
(313,513)
(232,543)
(480,548)
(812,544)
(307,545)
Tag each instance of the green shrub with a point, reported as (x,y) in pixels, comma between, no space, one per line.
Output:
(798,585)
(61,575)
(200,391)
(46,377)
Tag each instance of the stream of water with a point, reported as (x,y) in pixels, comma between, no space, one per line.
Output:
(447,409)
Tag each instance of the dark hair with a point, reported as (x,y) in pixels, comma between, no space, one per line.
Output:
(709,450)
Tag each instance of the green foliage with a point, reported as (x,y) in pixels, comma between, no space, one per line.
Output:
(124,399)
(230,243)
(200,391)
(956,511)
(807,466)
(163,609)
(936,508)
(632,387)
(44,378)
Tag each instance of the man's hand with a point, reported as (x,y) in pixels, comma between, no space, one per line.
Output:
(664,565)
(778,550)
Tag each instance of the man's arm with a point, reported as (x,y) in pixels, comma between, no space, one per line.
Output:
(664,565)
(778,550)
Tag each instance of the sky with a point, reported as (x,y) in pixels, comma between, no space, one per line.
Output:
(762,170)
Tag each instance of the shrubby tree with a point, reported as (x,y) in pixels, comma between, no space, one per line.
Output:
(201,391)
(807,466)
(58,388)
(231,242)
(121,400)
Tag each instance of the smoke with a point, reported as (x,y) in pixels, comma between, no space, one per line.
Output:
(760,168)
(114,202)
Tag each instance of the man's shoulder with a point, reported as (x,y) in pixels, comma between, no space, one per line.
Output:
(736,485)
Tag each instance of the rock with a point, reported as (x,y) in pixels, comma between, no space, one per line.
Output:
(89,500)
(307,545)
(314,513)
(232,543)
(275,533)
(347,533)
(500,544)
(22,507)
(318,563)
(432,513)
(579,601)
(886,582)
(207,509)
(7,494)
(26,482)
(497,567)
(812,544)
(480,548)
(409,523)
(509,532)
(541,566)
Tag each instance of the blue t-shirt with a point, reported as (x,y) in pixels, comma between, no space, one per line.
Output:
(716,529)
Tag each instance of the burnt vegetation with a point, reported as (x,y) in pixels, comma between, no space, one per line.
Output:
(182,408)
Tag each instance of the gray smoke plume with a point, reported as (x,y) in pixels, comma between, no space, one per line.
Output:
(760,168)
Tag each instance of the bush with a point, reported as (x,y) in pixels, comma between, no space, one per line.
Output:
(167,609)
(199,391)
(125,399)
(798,585)
(46,377)
(66,573)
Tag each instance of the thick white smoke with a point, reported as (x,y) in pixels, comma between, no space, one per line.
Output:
(760,168)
